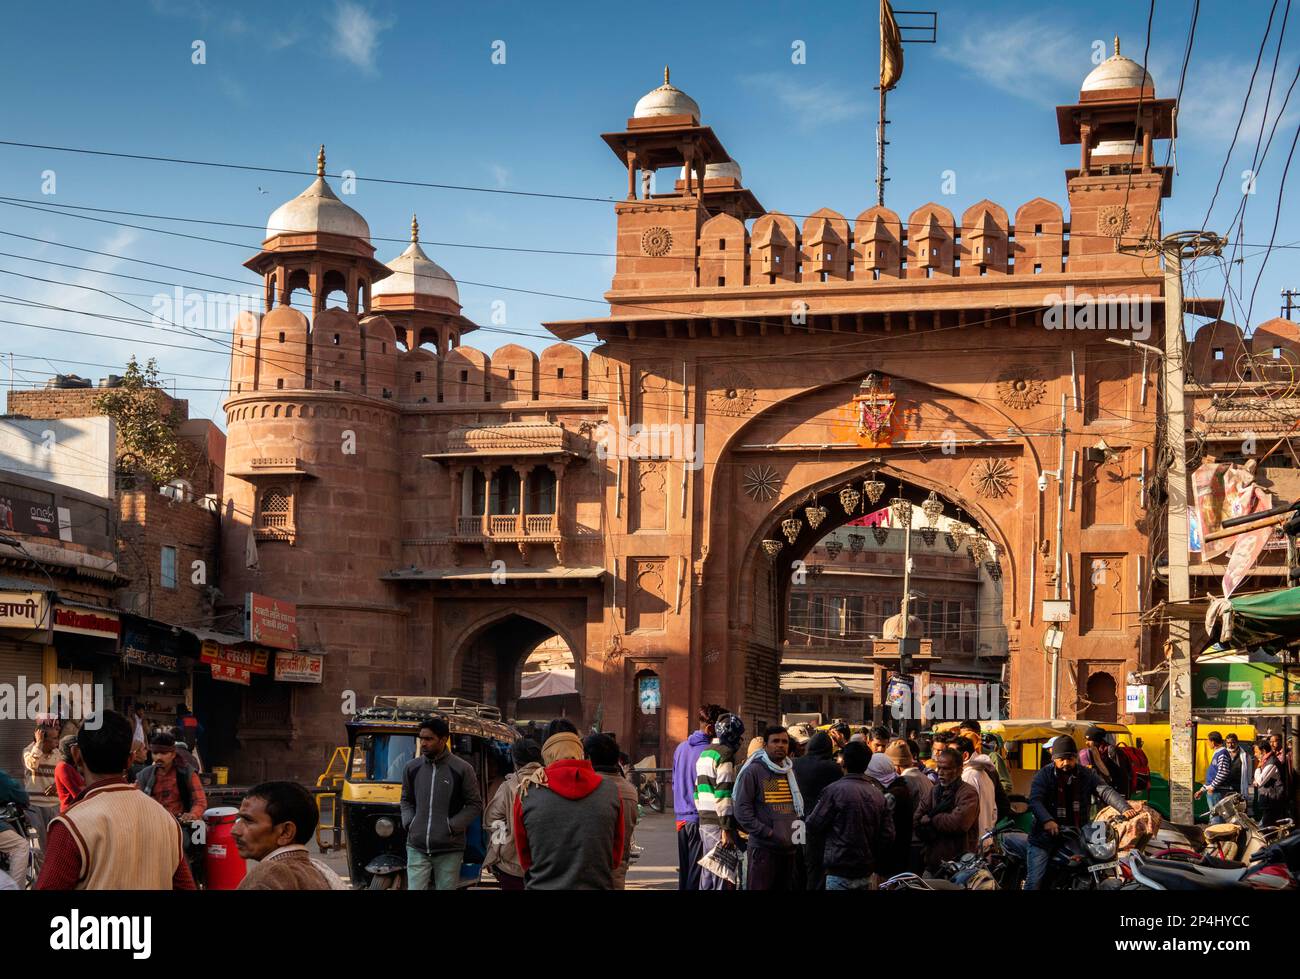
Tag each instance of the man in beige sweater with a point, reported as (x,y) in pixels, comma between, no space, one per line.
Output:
(276,819)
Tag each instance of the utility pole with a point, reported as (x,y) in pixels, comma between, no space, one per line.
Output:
(1182,734)
(1060,567)
(1289,303)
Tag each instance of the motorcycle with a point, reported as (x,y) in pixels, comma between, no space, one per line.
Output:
(1274,868)
(649,794)
(1239,837)
(1084,859)
(16,817)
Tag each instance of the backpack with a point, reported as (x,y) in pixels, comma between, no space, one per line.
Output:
(1139,771)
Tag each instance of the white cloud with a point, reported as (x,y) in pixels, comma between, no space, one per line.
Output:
(356,34)
(1027,58)
(813,103)
(500,174)
(1211,104)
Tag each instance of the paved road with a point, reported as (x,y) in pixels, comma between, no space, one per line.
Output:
(655,869)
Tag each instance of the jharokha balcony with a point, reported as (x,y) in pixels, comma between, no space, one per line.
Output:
(508,527)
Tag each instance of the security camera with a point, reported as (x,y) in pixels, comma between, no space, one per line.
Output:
(1042,482)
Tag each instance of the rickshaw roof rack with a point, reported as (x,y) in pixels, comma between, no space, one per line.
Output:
(459,706)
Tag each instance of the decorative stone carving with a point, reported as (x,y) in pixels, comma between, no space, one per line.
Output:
(1112,220)
(1021,387)
(992,478)
(762,483)
(735,395)
(657,241)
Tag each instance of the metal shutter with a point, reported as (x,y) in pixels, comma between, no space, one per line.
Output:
(17,660)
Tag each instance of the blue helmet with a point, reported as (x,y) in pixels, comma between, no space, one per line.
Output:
(730,730)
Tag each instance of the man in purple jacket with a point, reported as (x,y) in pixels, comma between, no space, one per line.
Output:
(688,820)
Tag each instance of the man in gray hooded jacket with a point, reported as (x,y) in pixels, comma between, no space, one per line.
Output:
(440,800)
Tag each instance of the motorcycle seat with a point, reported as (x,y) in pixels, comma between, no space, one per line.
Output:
(1181,877)
(1218,863)
(1221,831)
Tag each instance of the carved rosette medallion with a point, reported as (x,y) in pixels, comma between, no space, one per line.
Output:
(1112,220)
(762,483)
(992,478)
(735,395)
(1021,387)
(657,241)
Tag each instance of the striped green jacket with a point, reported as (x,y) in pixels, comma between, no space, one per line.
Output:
(715,774)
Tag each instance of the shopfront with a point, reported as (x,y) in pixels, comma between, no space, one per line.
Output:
(87,648)
(24,642)
(155,669)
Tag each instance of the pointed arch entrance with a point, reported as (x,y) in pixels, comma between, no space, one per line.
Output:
(488,665)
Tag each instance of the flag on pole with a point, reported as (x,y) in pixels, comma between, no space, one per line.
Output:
(891,48)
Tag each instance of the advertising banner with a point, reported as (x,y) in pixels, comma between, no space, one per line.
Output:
(271,621)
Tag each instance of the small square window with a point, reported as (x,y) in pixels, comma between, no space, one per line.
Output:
(1277,353)
(464,377)
(722,244)
(1038,229)
(1037,269)
(336,339)
(419,377)
(510,374)
(1218,353)
(722,281)
(279,383)
(338,385)
(559,373)
(282,336)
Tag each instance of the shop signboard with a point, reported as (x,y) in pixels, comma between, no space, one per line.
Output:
(231,673)
(271,622)
(252,660)
(1136,698)
(36,519)
(148,658)
(99,623)
(1245,688)
(24,610)
(299,667)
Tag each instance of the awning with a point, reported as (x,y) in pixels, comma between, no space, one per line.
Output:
(855,684)
(1265,617)
(548,683)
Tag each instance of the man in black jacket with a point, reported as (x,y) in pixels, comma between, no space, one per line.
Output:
(1061,796)
(814,771)
(440,800)
(850,815)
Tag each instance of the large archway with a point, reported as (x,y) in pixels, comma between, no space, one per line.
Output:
(489,667)
(818,561)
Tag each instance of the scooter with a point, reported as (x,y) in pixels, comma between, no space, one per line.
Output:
(1239,837)
(16,817)
(1084,859)
(1270,871)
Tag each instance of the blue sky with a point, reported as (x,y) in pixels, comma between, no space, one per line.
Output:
(410,91)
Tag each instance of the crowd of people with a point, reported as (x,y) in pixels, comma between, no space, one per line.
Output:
(112,812)
(805,810)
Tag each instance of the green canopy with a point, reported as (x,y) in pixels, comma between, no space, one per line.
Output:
(1266,616)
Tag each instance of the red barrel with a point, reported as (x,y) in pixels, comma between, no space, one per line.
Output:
(224,866)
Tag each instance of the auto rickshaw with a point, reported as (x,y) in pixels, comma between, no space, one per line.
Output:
(382,739)
(1023,748)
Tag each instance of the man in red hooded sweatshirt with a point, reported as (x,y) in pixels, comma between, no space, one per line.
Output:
(568,822)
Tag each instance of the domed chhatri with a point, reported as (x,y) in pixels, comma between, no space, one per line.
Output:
(666,100)
(415,274)
(719,171)
(1117,71)
(317,210)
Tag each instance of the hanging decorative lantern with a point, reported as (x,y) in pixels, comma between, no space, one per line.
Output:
(856,542)
(849,498)
(994,569)
(929,535)
(960,534)
(791,527)
(832,547)
(881,534)
(815,514)
(902,511)
(951,541)
(874,488)
(933,508)
(772,548)
(979,548)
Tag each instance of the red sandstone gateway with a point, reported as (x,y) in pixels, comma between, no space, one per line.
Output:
(437,512)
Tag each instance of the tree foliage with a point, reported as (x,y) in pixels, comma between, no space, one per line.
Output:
(147,432)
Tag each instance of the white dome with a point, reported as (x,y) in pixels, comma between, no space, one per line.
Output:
(416,274)
(317,209)
(727,168)
(666,100)
(1117,71)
